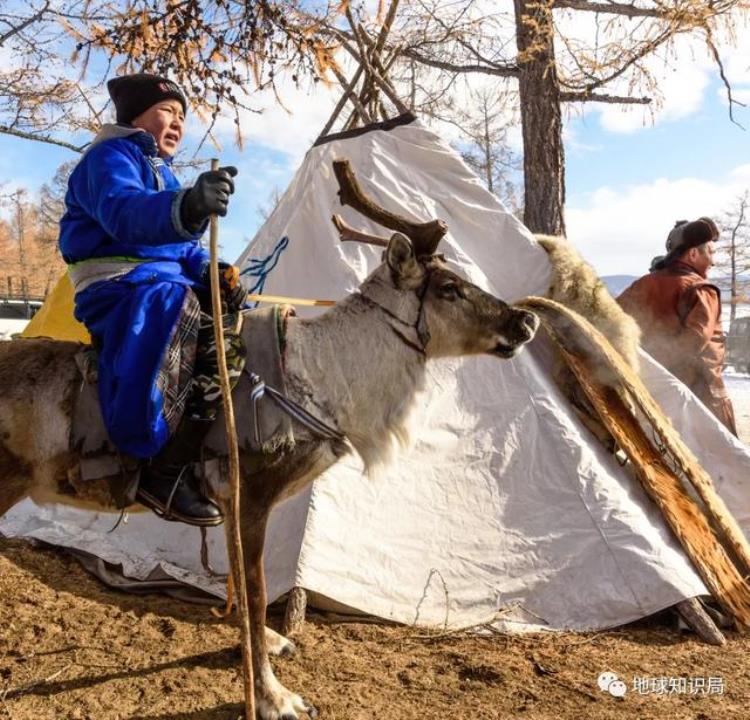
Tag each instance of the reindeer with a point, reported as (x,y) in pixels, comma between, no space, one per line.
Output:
(358,368)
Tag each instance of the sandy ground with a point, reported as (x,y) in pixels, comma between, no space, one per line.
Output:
(71,648)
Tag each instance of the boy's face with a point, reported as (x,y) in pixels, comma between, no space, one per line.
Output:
(165,121)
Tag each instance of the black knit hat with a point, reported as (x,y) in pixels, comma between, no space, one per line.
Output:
(684,236)
(134,94)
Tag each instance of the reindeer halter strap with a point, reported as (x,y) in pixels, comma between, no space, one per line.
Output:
(404,306)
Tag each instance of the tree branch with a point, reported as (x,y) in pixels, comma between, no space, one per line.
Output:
(612,8)
(499,70)
(20,28)
(4,130)
(598,97)
(717,59)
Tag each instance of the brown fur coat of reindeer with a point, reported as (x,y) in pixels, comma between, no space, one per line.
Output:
(357,367)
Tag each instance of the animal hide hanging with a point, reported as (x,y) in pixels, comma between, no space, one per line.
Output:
(707,531)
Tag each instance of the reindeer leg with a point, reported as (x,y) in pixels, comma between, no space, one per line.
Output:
(279,645)
(272,700)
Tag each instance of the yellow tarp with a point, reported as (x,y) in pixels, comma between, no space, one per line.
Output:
(55,318)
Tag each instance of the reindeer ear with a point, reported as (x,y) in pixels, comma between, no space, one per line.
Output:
(400,257)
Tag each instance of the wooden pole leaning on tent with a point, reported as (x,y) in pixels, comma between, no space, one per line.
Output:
(708,533)
(234,538)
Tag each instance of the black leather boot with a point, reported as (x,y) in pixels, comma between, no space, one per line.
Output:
(168,485)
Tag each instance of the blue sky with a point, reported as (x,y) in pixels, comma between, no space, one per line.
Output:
(705,143)
(630,174)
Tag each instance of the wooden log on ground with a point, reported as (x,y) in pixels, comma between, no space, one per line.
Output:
(692,612)
(294,616)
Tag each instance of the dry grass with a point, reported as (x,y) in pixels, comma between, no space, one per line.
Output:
(72,649)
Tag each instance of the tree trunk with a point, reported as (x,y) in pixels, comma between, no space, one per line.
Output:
(733,288)
(539,94)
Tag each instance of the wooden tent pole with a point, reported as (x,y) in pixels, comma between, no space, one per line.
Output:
(234,538)
(294,615)
(348,89)
(386,27)
(352,96)
(692,612)
(367,91)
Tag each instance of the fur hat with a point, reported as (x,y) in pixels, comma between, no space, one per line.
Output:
(134,94)
(684,236)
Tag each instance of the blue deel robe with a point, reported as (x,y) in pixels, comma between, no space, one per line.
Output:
(123,202)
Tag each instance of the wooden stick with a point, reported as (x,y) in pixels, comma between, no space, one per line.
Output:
(700,621)
(294,615)
(284,300)
(386,28)
(234,538)
(348,89)
(369,84)
(227,611)
(687,519)
(380,75)
(361,110)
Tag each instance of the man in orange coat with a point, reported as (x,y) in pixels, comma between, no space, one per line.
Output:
(679,314)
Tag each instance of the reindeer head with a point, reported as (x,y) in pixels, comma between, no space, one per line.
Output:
(450,316)
(432,308)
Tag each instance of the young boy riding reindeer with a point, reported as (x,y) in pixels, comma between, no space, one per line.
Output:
(131,238)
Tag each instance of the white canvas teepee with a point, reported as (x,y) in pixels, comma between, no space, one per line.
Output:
(504,503)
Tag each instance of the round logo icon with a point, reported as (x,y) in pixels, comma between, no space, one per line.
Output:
(609,682)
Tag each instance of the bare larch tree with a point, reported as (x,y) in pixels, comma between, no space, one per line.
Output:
(732,260)
(555,52)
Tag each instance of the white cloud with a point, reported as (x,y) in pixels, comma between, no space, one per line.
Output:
(682,88)
(620,230)
(290,129)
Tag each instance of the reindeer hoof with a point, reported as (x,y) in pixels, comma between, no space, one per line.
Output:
(288,649)
(278,645)
(277,703)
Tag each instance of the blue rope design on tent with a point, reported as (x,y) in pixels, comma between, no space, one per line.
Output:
(260,268)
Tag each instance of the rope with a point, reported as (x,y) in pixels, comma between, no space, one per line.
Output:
(260,268)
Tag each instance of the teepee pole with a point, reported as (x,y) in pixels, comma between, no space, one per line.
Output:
(234,538)
(348,89)
(360,109)
(700,622)
(386,27)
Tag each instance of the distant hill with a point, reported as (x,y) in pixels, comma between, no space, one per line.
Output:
(617,283)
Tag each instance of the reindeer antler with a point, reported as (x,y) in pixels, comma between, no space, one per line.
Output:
(425,237)
(348,233)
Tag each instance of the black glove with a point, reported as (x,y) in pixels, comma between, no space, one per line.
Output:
(209,196)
